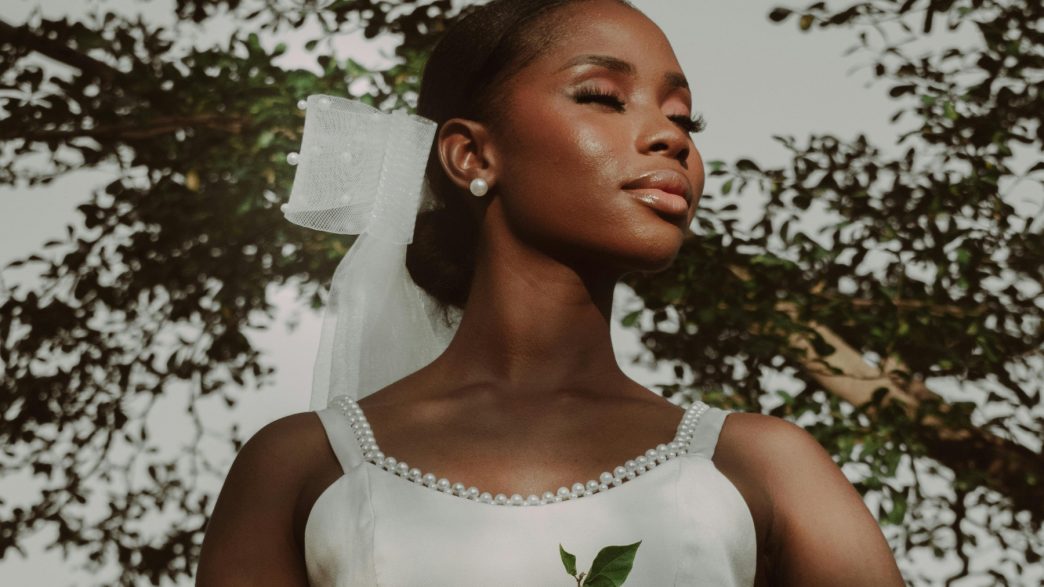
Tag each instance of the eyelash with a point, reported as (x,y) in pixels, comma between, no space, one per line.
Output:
(692,125)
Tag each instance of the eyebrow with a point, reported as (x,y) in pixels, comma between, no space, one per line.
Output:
(672,79)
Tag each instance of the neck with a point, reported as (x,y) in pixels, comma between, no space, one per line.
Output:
(533,325)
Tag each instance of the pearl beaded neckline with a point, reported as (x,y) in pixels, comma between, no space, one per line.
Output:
(607,480)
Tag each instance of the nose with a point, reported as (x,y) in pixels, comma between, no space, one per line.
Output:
(663,136)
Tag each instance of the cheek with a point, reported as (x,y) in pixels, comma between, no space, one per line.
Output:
(557,165)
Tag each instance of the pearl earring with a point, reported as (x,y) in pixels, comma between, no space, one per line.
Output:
(479,187)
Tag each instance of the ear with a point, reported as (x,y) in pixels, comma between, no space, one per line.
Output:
(467,152)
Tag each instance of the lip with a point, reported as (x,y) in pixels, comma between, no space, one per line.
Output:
(664,180)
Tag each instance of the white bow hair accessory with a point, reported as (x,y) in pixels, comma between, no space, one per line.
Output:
(361,171)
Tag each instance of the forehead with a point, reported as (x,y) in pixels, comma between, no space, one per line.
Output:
(600,27)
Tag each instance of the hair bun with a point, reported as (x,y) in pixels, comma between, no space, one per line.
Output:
(441,258)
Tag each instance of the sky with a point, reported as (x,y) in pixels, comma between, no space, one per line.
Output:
(751,79)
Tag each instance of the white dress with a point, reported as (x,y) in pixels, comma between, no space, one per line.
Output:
(380,526)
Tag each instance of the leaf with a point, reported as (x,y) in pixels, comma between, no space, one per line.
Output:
(568,560)
(631,318)
(612,565)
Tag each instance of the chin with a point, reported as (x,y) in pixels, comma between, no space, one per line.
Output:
(652,249)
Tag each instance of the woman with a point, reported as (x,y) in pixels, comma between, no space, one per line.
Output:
(573,121)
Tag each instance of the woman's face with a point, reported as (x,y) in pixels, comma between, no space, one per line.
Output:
(596,160)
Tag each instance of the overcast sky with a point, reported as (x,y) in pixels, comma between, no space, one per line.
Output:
(751,79)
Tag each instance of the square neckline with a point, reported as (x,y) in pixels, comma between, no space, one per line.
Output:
(651,459)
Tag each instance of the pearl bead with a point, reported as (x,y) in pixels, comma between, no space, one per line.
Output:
(284,208)
(533,500)
(402,469)
(548,496)
(391,462)
(517,499)
(302,104)
(563,492)
(443,484)
(592,485)
(479,187)
(324,102)
(500,499)
(429,479)
(578,488)
(293,158)
(459,489)
(415,474)
(486,497)
(619,472)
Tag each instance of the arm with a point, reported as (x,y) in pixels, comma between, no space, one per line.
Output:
(823,533)
(249,539)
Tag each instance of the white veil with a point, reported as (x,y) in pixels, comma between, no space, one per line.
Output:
(361,171)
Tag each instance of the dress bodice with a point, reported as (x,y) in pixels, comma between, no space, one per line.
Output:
(384,523)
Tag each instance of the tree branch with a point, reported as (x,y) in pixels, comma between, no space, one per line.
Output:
(1005,465)
(21,36)
(161,125)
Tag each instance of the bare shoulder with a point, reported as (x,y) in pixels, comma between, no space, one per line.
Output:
(769,441)
(251,537)
(287,436)
(821,532)
(285,450)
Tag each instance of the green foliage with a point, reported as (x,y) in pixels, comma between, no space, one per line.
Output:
(569,560)
(610,567)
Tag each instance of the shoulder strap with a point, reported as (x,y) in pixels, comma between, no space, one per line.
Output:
(341,437)
(705,433)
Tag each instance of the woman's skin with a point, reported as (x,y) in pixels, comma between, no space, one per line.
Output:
(528,396)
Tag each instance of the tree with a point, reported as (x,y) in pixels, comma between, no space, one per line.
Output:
(154,297)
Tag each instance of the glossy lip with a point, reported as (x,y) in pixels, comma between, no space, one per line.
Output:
(666,180)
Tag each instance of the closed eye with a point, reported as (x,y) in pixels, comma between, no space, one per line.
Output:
(591,95)
(692,125)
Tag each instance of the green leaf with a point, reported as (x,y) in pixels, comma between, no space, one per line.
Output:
(631,318)
(568,560)
(612,565)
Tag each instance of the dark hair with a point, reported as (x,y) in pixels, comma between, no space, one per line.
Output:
(466,70)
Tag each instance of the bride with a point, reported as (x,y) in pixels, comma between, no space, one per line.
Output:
(563,159)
